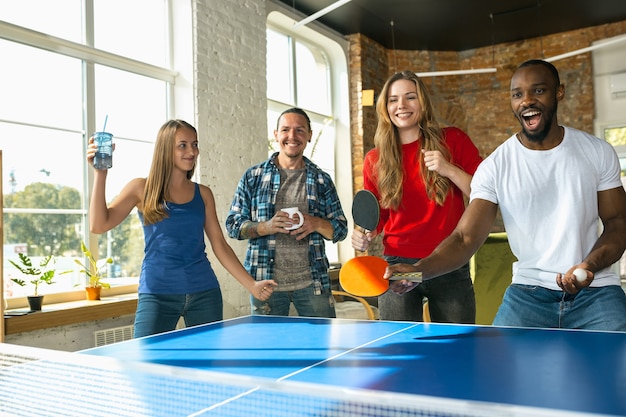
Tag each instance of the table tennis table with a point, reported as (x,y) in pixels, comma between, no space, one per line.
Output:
(271,365)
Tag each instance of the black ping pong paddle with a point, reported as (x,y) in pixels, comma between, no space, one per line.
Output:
(365,210)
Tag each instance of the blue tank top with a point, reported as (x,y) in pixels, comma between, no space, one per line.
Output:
(175,260)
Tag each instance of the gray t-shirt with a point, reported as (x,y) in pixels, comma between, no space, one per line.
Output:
(292,270)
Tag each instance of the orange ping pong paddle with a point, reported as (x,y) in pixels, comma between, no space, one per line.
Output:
(363,276)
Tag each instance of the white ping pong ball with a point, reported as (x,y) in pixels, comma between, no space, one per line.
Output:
(580,274)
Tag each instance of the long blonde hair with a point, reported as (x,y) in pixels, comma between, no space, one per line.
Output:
(389,172)
(158,180)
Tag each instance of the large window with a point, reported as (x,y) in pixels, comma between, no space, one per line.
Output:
(60,79)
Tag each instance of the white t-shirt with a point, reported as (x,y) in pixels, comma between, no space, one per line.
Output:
(549,203)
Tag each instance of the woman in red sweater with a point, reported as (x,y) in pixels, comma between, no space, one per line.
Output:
(420,173)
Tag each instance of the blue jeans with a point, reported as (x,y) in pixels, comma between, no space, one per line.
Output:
(601,308)
(306,302)
(158,313)
(451,298)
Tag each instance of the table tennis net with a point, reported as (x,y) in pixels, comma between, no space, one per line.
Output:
(40,382)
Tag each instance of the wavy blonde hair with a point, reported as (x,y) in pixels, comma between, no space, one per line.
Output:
(388,169)
(158,181)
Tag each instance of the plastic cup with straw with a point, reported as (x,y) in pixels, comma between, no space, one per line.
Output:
(103,159)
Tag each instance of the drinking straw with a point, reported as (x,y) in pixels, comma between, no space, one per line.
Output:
(104,128)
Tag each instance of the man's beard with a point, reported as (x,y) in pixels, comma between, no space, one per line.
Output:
(538,137)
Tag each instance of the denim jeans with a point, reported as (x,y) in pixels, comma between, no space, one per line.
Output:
(602,308)
(158,313)
(451,298)
(306,302)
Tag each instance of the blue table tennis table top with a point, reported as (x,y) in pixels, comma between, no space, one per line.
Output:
(567,370)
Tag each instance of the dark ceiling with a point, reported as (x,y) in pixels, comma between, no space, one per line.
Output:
(458,25)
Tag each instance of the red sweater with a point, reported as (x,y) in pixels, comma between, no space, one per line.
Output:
(419,224)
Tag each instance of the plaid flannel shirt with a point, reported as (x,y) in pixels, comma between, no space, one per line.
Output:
(255,200)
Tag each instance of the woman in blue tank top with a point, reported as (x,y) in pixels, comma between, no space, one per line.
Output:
(177,279)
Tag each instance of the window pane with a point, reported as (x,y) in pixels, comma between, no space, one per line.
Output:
(61,282)
(615,136)
(40,87)
(44,234)
(322,146)
(40,157)
(60,18)
(279,80)
(136,105)
(132,29)
(312,79)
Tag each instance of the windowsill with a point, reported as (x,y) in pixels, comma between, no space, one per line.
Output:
(57,311)
(68,313)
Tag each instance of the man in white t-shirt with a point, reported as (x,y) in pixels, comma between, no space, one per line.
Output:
(553,185)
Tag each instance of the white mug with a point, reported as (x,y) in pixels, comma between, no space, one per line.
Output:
(291,211)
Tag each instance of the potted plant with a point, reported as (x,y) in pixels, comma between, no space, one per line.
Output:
(44,274)
(95,273)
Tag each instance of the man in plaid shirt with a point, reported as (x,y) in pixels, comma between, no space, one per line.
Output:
(295,259)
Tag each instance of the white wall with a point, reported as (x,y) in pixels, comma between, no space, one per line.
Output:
(68,338)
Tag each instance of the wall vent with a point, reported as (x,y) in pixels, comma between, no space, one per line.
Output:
(114,335)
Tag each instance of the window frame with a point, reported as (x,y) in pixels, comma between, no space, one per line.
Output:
(90,57)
